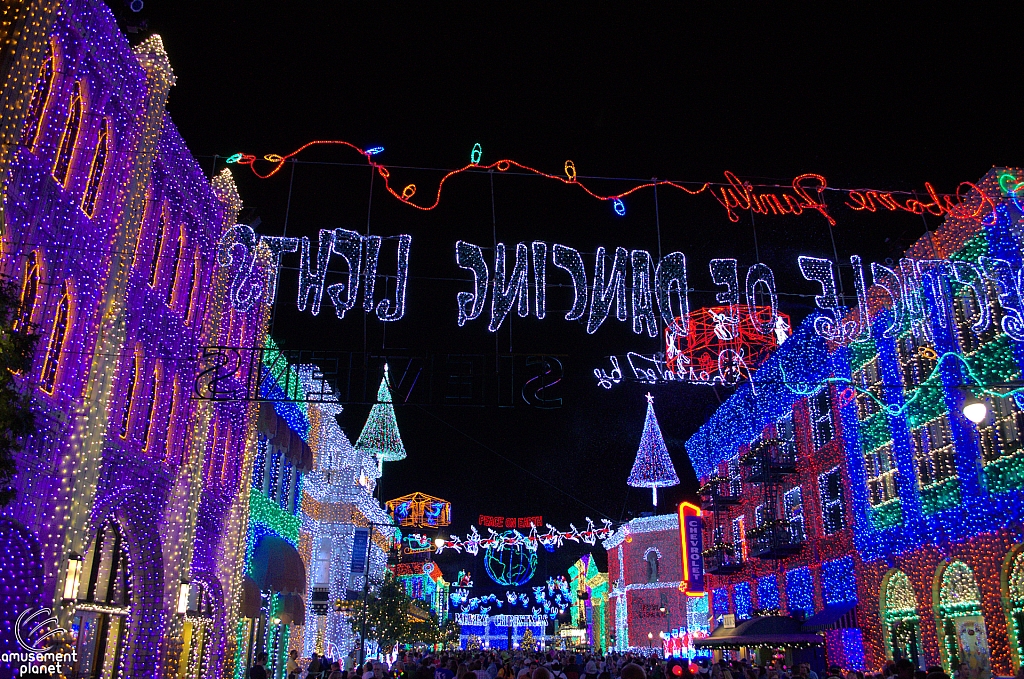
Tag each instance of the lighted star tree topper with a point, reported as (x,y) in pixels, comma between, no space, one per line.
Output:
(653,466)
(380,436)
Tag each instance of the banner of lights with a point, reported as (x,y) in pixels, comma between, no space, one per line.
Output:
(513,539)
(906,285)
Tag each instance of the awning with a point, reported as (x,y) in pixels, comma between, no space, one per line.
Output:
(293,610)
(277,567)
(830,618)
(251,601)
(774,631)
(267,422)
(299,454)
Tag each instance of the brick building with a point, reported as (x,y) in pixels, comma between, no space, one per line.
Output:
(645,576)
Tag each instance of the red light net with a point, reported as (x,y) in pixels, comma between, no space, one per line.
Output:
(723,346)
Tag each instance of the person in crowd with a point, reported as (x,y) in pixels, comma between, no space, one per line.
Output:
(336,670)
(292,665)
(632,671)
(257,671)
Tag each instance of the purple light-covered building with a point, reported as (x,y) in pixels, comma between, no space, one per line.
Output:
(128,508)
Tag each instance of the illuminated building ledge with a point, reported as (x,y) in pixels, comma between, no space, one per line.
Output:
(645,524)
(654,585)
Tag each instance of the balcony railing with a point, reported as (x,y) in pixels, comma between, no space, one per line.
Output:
(722,559)
(719,492)
(768,459)
(775,540)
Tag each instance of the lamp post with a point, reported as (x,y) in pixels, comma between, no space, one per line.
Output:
(650,637)
(667,612)
(366,586)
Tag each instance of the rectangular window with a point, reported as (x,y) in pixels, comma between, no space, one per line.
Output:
(869,380)
(794,505)
(1002,437)
(880,469)
(739,538)
(917,360)
(966,312)
(762,516)
(718,535)
(785,431)
(830,489)
(821,417)
(735,477)
(933,452)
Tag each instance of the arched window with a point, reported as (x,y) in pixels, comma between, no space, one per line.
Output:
(55,347)
(29,290)
(172,425)
(192,280)
(175,264)
(652,562)
(37,104)
(154,394)
(901,623)
(960,618)
(129,392)
(106,568)
(69,137)
(154,267)
(99,163)
(105,588)
(1015,601)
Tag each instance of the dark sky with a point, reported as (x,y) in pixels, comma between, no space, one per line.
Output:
(877,97)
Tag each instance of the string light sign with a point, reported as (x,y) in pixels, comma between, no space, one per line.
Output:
(624,284)
(736,196)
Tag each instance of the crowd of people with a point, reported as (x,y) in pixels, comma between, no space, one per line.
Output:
(502,664)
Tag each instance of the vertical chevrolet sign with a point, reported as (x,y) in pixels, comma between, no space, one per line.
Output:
(690,535)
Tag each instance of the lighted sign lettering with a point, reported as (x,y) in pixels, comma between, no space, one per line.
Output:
(690,534)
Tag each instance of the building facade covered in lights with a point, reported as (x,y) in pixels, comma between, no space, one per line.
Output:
(591,604)
(853,490)
(128,520)
(647,600)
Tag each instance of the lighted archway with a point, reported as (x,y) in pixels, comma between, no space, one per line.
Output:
(1013,600)
(959,619)
(901,624)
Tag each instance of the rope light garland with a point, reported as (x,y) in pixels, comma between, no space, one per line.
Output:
(735,195)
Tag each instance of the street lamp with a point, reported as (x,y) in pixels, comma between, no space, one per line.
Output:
(974,409)
(366,585)
(441,538)
(650,637)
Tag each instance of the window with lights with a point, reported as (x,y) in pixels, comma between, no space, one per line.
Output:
(822,429)
(934,457)
(1001,437)
(830,489)
(785,432)
(868,379)
(739,538)
(880,469)
(967,311)
(793,504)
(917,359)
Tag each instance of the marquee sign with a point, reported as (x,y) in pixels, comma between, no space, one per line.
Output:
(692,541)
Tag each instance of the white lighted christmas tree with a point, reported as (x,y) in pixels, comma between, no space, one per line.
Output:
(653,467)
(380,436)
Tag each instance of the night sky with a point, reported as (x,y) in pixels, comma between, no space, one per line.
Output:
(887,100)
